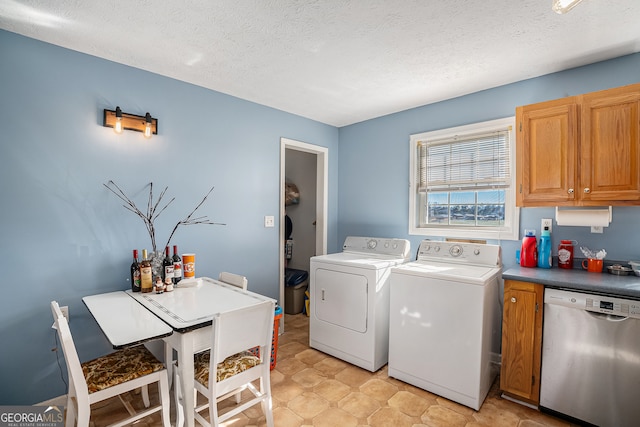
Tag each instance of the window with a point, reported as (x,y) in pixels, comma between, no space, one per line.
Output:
(462,182)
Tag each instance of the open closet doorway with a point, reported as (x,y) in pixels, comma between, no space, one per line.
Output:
(306,166)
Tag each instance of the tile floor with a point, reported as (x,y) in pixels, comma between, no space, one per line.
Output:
(311,388)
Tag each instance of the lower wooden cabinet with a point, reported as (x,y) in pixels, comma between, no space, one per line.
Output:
(522,340)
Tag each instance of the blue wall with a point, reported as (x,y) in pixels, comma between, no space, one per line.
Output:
(374,160)
(65,236)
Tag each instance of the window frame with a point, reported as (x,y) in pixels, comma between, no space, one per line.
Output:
(510,229)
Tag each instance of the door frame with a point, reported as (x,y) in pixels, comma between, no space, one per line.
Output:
(322,186)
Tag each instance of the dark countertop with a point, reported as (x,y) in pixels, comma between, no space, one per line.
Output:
(579,280)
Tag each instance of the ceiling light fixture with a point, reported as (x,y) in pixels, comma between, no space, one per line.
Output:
(118,120)
(564,6)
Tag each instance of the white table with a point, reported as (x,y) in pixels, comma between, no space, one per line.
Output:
(124,321)
(189,311)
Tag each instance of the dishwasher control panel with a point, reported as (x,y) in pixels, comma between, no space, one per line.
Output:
(596,303)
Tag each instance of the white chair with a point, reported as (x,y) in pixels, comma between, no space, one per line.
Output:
(228,278)
(109,376)
(232,367)
(233,279)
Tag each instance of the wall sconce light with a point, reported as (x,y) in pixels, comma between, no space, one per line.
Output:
(564,6)
(118,120)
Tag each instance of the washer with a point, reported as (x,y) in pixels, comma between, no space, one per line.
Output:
(445,320)
(349,293)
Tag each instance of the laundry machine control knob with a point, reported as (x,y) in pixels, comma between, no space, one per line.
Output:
(455,250)
(437,249)
(476,251)
(371,244)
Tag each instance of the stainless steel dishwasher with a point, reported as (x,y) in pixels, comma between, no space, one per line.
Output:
(591,358)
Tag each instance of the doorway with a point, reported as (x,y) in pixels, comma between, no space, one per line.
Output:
(310,223)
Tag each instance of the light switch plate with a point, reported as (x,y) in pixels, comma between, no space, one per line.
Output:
(269,221)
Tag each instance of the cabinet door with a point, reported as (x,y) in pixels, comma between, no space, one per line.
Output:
(546,144)
(609,153)
(522,340)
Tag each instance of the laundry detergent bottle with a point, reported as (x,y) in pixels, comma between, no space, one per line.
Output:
(544,249)
(529,250)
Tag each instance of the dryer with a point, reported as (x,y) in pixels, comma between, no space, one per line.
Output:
(349,293)
(445,318)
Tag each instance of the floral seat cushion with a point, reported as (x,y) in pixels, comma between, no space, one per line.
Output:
(230,366)
(119,367)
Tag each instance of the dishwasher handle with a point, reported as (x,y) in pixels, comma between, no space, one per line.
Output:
(606,316)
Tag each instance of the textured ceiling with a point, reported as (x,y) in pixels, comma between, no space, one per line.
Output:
(338,62)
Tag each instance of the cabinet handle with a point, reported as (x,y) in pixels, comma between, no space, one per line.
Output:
(513,299)
(587,190)
(570,191)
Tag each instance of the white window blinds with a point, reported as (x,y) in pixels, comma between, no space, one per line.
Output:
(465,162)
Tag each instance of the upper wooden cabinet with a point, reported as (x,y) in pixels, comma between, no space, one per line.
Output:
(580,151)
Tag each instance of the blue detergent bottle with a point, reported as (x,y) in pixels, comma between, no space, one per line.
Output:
(544,249)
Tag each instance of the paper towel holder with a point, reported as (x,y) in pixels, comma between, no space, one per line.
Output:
(584,217)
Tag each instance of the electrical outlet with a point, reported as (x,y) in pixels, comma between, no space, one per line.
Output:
(65,312)
(546,222)
(269,221)
(596,229)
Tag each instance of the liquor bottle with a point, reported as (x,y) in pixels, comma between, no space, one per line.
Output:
(146,277)
(135,272)
(167,266)
(177,266)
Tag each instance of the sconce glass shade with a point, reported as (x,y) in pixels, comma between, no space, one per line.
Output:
(564,6)
(117,127)
(147,125)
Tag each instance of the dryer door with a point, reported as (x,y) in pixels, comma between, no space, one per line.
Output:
(340,298)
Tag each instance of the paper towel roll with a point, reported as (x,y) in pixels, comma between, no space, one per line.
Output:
(584,217)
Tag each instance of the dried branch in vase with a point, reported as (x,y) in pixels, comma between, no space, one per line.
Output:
(155,209)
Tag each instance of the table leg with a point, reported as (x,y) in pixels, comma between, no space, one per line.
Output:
(186,372)
(168,360)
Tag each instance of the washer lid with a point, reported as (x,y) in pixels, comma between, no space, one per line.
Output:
(472,274)
(359,260)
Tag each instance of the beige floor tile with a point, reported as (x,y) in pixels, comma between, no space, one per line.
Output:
(359,404)
(330,366)
(309,377)
(353,376)
(387,417)
(441,416)
(379,389)
(494,416)
(311,356)
(334,417)
(332,390)
(308,405)
(409,403)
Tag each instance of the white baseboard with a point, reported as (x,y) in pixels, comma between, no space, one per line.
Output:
(56,401)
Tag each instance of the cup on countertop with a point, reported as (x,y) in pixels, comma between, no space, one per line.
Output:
(592,265)
(189,265)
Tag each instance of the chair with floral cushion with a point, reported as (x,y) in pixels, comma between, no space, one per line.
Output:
(228,368)
(108,376)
